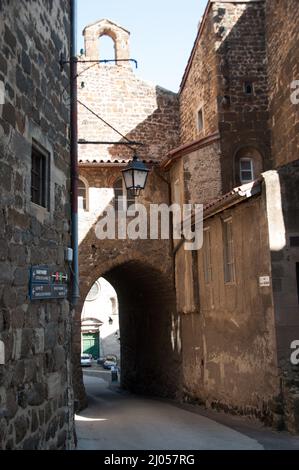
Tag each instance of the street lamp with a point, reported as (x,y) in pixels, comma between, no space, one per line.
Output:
(135,176)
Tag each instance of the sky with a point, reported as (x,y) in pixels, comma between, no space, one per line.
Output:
(162,33)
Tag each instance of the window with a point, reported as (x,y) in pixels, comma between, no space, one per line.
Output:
(40,176)
(207,256)
(246,170)
(294,241)
(228,252)
(122,198)
(248,165)
(200,119)
(248,87)
(82,195)
(94,292)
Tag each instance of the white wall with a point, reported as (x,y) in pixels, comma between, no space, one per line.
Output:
(103,307)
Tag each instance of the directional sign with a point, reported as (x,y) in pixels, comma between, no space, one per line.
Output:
(40,274)
(48,291)
(59,291)
(45,284)
(41,291)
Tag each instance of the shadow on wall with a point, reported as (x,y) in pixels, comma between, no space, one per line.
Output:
(159,132)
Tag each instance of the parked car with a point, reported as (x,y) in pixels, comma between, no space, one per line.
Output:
(86,360)
(110,361)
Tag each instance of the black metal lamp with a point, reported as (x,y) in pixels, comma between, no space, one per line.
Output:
(135,176)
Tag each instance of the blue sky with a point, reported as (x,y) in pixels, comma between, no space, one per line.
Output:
(162,33)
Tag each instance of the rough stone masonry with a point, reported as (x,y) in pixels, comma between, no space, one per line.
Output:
(35,388)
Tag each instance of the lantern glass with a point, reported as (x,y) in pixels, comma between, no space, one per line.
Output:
(135,176)
(129,178)
(140,177)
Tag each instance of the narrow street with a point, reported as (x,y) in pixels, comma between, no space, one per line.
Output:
(116,420)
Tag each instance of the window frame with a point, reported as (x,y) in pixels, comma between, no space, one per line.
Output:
(229,266)
(251,84)
(86,187)
(44,176)
(207,257)
(250,160)
(199,111)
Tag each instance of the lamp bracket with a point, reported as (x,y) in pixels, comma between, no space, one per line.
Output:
(63,61)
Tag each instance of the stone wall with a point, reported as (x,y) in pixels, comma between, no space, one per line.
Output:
(149,325)
(283,235)
(199,86)
(238,44)
(140,110)
(282,35)
(35,380)
(229,52)
(203,164)
(243,117)
(283,68)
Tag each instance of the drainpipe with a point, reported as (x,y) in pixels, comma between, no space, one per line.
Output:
(74,154)
(71,440)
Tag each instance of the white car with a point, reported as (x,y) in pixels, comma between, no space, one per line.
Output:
(86,360)
(110,361)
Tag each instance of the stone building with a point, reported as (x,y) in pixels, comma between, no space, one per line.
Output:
(35,335)
(225,316)
(147,114)
(238,296)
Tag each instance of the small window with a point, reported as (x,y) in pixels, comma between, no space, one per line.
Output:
(200,119)
(207,253)
(82,195)
(40,176)
(246,170)
(294,241)
(228,252)
(248,87)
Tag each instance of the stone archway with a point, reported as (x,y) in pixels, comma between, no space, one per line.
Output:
(149,324)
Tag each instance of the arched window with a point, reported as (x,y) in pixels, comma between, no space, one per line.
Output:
(248,165)
(82,195)
(122,198)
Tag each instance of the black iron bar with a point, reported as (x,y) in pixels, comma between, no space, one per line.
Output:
(88,142)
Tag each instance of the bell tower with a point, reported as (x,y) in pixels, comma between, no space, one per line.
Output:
(119,36)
